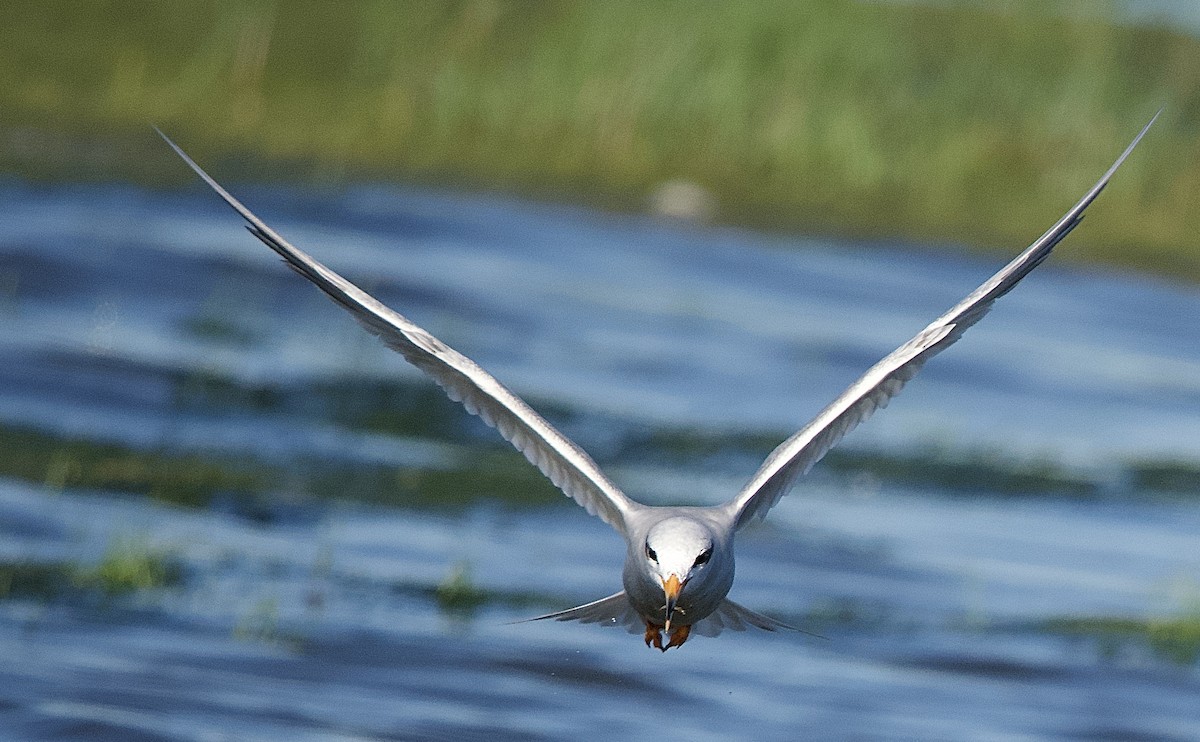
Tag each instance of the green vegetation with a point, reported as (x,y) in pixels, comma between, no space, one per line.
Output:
(965,472)
(499,477)
(187,479)
(127,566)
(245,482)
(475,470)
(261,624)
(24,579)
(459,597)
(458,594)
(970,121)
(956,470)
(1174,638)
(1168,477)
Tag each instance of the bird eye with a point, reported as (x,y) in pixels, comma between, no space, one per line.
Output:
(650,553)
(704,557)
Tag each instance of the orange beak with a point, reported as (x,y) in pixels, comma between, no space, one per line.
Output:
(671,588)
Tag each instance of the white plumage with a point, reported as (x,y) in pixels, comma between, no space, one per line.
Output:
(679,561)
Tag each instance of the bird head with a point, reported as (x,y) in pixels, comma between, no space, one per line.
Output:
(677,551)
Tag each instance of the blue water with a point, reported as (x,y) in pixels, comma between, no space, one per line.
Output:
(310,624)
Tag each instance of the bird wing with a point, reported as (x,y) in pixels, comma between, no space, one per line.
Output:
(881,382)
(563,462)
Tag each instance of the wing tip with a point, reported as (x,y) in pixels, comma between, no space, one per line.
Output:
(1125,154)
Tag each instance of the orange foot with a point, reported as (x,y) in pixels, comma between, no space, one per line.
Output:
(654,636)
(678,637)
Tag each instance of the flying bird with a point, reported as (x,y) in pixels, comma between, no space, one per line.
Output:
(678,560)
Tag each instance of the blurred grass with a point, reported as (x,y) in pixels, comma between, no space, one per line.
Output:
(972,122)
(1174,638)
(182,478)
(470,470)
(128,565)
(459,596)
(960,470)
(454,462)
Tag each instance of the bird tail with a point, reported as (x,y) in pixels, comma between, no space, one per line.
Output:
(736,617)
(614,610)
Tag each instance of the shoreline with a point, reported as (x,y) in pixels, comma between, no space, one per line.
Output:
(937,125)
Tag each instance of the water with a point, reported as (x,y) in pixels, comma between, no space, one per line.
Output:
(153,325)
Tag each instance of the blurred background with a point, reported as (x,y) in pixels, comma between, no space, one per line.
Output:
(678,230)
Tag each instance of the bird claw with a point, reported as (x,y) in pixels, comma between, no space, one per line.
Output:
(654,636)
(677,637)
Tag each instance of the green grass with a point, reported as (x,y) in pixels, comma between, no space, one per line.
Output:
(180,478)
(458,596)
(128,566)
(965,472)
(476,471)
(975,122)
(246,483)
(1174,638)
(956,470)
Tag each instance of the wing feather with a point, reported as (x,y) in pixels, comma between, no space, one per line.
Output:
(563,462)
(881,382)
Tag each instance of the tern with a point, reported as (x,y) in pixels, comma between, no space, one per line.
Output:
(678,560)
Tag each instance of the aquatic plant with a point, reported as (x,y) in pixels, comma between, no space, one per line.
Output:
(1165,476)
(243,483)
(59,462)
(954,470)
(457,594)
(260,622)
(130,565)
(1173,638)
(27,579)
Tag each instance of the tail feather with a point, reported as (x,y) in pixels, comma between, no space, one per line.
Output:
(737,617)
(614,610)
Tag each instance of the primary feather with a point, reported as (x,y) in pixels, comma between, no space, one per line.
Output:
(885,379)
(563,462)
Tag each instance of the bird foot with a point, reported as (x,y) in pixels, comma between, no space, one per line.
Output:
(654,637)
(678,637)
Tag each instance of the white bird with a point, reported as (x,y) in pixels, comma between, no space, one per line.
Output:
(678,560)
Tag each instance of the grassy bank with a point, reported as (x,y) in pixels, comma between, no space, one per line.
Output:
(977,123)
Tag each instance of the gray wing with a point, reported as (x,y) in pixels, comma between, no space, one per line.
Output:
(564,463)
(797,454)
